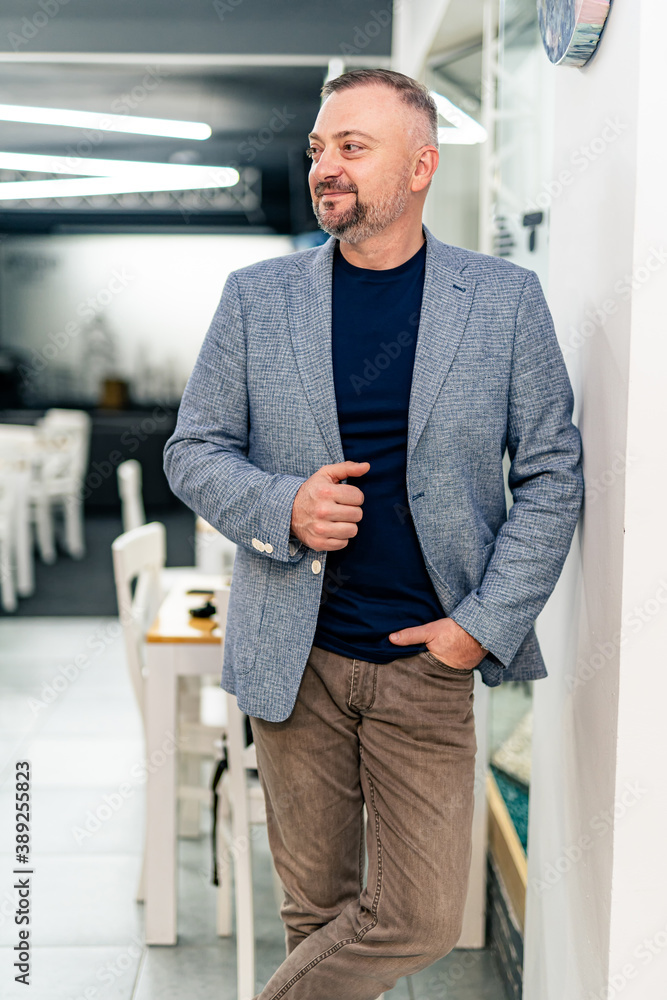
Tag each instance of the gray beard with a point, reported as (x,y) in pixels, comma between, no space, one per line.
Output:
(362,220)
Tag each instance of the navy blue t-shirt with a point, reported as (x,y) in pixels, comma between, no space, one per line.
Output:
(378,582)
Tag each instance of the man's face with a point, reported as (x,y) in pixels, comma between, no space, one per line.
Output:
(363,155)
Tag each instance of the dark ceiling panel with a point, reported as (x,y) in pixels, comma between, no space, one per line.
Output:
(198,26)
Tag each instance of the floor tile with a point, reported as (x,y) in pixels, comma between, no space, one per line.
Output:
(186,973)
(104,718)
(107,973)
(75,901)
(464,974)
(80,820)
(78,761)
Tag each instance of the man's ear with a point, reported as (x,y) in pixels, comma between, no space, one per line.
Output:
(425,166)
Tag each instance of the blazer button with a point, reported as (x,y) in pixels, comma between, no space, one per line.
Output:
(316,566)
(256,544)
(293,548)
(268,547)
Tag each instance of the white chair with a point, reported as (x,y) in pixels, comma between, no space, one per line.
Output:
(7,518)
(130,491)
(130,482)
(16,463)
(214,553)
(80,422)
(62,457)
(138,557)
(241,806)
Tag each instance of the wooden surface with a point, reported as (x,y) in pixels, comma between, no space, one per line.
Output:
(174,623)
(507,849)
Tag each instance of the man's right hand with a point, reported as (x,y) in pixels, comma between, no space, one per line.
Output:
(325,511)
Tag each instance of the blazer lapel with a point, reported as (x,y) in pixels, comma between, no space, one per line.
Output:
(309,307)
(446,304)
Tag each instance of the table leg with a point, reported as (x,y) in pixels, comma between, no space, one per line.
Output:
(161,765)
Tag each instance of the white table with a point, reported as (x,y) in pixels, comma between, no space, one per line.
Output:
(176,646)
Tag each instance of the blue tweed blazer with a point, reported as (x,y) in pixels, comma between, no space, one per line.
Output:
(258,417)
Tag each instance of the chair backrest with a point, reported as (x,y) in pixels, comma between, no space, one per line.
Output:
(138,555)
(60,455)
(79,425)
(129,489)
(214,553)
(8,490)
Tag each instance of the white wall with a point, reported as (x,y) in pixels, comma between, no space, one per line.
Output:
(156,294)
(597,872)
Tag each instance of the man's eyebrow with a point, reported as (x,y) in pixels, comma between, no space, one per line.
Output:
(344,133)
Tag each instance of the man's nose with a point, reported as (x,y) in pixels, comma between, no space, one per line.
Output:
(326,166)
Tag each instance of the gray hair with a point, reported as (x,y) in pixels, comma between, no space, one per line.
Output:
(412,92)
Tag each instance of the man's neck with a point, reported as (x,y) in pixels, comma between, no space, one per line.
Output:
(385,250)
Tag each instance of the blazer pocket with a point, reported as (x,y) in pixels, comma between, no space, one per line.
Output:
(251,612)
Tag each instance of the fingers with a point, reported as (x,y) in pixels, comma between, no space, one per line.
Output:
(341,470)
(345,512)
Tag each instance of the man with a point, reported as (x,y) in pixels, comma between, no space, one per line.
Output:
(345,425)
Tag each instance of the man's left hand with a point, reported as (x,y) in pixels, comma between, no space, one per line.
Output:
(446,640)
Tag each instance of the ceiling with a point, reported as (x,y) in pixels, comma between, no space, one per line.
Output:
(251,69)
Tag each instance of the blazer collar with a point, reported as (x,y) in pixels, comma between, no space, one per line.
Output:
(446,304)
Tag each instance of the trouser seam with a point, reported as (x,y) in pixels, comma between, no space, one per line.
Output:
(354,666)
(374,907)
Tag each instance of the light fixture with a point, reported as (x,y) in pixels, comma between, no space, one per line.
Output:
(465,130)
(104,121)
(106,176)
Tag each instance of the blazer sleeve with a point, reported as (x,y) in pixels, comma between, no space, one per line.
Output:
(206,458)
(546,482)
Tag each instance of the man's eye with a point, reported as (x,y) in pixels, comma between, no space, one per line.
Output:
(354,145)
(311,151)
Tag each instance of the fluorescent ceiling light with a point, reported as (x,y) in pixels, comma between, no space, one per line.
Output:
(105,122)
(465,130)
(106,176)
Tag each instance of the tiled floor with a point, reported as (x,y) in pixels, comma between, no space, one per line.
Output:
(76,721)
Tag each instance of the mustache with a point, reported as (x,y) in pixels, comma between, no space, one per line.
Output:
(322,186)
